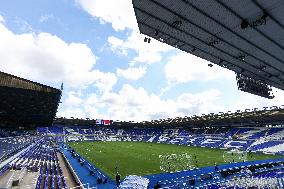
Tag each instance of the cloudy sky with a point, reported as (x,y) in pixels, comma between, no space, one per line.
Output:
(94,47)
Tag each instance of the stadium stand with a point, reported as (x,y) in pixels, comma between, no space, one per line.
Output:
(12,145)
(242,175)
(254,143)
(261,137)
(40,158)
(43,158)
(28,160)
(87,172)
(26,103)
(242,36)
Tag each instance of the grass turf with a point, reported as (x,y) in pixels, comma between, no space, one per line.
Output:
(139,158)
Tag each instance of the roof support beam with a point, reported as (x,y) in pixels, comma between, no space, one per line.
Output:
(257,30)
(205,51)
(202,41)
(212,35)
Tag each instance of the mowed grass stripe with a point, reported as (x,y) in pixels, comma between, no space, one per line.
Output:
(140,158)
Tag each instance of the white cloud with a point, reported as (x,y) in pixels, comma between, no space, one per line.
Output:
(146,52)
(248,101)
(117,45)
(119,13)
(131,103)
(2,20)
(137,104)
(104,81)
(47,58)
(46,17)
(75,112)
(278,100)
(73,100)
(131,73)
(185,67)
(23,26)
(204,102)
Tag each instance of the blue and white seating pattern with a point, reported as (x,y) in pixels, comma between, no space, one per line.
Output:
(249,139)
(42,157)
(11,145)
(263,139)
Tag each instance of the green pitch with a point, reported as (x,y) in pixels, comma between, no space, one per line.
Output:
(139,158)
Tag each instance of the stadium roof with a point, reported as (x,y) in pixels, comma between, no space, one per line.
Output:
(246,37)
(26,103)
(8,80)
(249,118)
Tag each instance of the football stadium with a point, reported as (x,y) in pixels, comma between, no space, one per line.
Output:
(235,149)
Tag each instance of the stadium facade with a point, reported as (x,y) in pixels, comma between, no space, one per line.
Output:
(242,149)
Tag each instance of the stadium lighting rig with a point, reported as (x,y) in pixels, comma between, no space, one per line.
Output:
(242,37)
(254,86)
(258,22)
(147,39)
